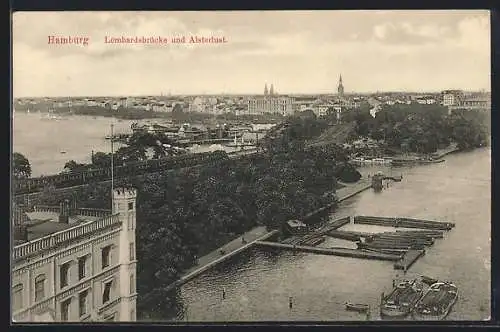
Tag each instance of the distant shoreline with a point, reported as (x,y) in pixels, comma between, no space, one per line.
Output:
(135,114)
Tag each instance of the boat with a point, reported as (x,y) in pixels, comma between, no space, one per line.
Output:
(359,307)
(401,300)
(437,302)
(63,152)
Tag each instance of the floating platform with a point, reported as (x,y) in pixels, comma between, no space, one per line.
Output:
(344,252)
(350,236)
(408,259)
(403,222)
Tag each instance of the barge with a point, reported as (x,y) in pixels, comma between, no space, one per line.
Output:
(437,302)
(402,299)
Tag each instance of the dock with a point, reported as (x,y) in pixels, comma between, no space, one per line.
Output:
(344,235)
(408,259)
(344,252)
(403,222)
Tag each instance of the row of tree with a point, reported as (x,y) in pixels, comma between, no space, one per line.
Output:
(422,128)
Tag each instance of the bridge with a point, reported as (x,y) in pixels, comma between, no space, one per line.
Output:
(75,179)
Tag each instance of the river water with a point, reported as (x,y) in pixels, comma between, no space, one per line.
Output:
(259,283)
(49,143)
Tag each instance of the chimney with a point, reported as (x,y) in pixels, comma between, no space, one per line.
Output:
(64,211)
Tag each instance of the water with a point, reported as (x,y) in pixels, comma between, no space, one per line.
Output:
(258,283)
(42,141)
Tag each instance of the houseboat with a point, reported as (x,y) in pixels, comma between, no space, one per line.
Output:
(295,227)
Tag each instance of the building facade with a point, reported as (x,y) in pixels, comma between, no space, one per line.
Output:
(73,264)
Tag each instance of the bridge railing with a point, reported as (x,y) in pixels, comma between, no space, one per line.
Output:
(54,239)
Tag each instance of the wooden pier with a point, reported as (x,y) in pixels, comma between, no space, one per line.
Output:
(408,259)
(403,222)
(344,252)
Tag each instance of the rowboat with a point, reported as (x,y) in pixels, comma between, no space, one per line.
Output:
(359,307)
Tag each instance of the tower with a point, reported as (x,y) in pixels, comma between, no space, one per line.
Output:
(125,204)
(271,92)
(265,90)
(340,88)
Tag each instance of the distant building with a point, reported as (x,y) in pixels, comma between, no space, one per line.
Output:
(73,264)
(340,88)
(270,102)
(452,97)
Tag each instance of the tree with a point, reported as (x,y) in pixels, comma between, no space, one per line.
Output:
(73,166)
(21,167)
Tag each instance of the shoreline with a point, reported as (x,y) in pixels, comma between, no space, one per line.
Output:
(213,258)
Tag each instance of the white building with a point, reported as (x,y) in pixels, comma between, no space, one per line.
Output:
(73,264)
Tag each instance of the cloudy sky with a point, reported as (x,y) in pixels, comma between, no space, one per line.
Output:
(297,51)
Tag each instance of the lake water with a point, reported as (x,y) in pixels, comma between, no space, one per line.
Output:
(259,283)
(42,140)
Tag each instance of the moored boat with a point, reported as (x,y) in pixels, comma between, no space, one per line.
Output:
(437,302)
(402,299)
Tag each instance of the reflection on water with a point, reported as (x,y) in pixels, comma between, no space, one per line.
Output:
(258,283)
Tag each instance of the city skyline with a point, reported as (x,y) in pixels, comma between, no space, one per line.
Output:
(300,52)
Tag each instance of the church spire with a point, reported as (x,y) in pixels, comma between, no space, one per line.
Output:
(340,88)
(271,92)
(265,89)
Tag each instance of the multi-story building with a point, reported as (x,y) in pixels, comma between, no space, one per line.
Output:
(452,97)
(74,264)
(270,104)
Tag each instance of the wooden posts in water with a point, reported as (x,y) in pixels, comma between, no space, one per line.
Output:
(290,302)
(223,293)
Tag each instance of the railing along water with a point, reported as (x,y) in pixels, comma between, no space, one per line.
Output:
(63,236)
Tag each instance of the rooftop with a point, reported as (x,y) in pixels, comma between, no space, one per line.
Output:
(43,223)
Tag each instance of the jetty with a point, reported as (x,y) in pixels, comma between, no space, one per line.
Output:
(408,259)
(404,247)
(403,222)
(334,251)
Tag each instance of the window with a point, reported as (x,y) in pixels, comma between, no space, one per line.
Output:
(132,284)
(130,222)
(65,310)
(132,315)
(82,267)
(82,302)
(106,294)
(64,274)
(105,256)
(39,287)
(132,251)
(17,297)
(130,206)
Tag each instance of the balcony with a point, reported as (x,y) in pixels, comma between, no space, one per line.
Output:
(72,233)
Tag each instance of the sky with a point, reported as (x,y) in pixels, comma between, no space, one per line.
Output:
(296,51)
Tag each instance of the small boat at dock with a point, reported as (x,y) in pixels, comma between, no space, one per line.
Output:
(437,302)
(401,300)
(358,307)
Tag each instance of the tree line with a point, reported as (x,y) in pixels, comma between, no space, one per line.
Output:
(422,128)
